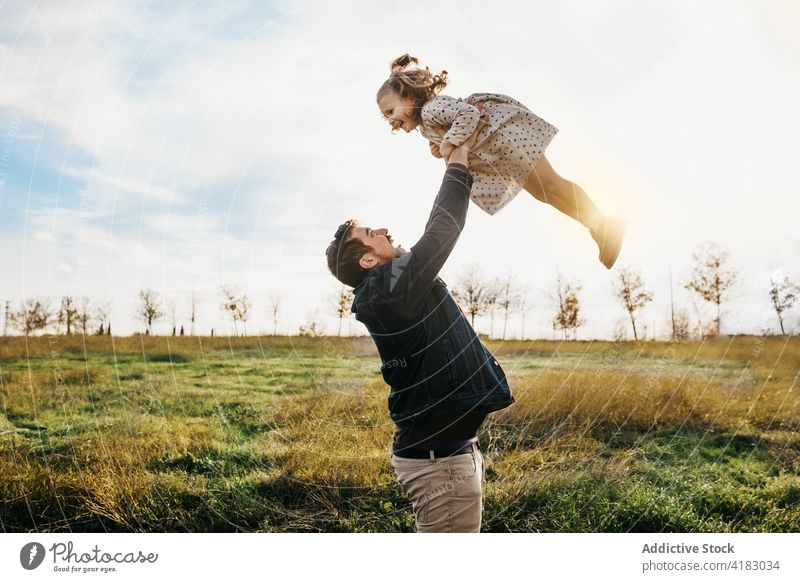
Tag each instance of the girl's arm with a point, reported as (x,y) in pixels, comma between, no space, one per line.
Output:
(460,117)
(413,274)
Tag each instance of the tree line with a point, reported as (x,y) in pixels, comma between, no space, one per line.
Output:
(82,315)
(497,298)
(711,281)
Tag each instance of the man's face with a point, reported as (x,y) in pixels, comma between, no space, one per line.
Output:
(380,241)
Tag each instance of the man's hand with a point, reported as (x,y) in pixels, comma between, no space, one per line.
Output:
(435,150)
(460,154)
(446,148)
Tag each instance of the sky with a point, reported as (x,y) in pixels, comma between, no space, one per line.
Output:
(180,146)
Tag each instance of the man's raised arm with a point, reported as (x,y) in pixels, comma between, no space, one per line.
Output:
(413,274)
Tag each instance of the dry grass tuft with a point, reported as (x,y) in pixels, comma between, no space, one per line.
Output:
(336,437)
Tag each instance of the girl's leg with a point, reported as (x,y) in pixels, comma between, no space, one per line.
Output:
(546,185)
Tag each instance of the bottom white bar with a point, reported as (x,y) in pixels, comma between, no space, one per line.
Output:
(389,557)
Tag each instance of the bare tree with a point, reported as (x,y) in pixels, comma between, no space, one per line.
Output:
(149,310)
(567,317)
(192,312)
(524,305)
(342,301)
(783,294)
(671,303)
(102,312)
(228,305)
(244,312)
(493,290)
(67,313)
(703,329)
(472,291)
(236,305)
(680,324)
(620,333)
(710,280)
(629,289)
(507,299)
(172,308)
(33,315)
(85,314)
(5,318)
(275,306)
(312,327)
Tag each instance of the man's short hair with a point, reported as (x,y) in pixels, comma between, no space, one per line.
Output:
(344,253)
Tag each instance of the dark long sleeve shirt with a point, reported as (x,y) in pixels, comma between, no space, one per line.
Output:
(443,379)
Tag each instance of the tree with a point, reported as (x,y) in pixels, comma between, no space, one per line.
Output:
(236,305)
(493,290)
(67,313)
(149,310)
(275,305)
(342,301)
(524,307)
(703,330)
(85,314)
(629,289)
(710,280)
(192,312)
(312,327)
(507,299)
(567,317)
(173,315)
(620,333)
(102,312)
(472,291)
(244,312)
(680,325)
(783,294)
(33,315)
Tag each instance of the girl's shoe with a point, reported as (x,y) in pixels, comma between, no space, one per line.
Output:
(608,236)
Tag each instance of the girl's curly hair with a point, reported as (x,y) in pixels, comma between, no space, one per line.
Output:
(417,84)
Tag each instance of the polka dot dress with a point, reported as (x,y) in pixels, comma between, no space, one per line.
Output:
(507,149)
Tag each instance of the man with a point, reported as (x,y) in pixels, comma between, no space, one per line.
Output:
(443,380)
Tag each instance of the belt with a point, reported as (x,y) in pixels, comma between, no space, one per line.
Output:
(406,451)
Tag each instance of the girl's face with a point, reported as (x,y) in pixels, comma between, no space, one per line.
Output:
(400,112)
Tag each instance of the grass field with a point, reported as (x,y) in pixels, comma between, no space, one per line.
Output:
(291,434)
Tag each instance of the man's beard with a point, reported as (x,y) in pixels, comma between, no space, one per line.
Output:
(399,251)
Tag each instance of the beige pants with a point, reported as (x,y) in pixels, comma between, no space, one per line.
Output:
(445,493)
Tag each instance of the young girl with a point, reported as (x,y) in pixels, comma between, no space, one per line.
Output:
(508,156)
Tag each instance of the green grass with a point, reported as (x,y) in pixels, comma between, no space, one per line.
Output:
(292,434)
